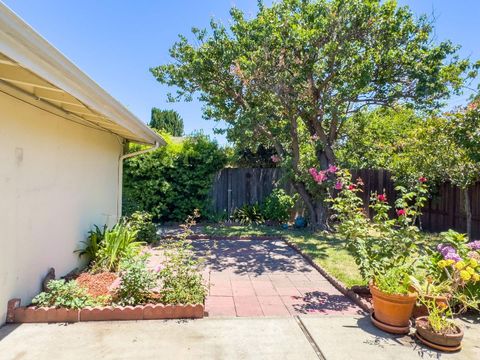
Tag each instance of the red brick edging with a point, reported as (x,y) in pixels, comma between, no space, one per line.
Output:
(364,305)
(22,314)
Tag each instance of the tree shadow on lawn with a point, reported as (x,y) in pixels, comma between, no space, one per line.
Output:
(255,257)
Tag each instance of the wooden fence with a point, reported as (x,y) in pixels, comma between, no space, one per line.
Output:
(445,210)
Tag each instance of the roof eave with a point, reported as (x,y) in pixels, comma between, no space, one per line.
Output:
(24,45)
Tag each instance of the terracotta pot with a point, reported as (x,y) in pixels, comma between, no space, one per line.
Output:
(446,342)
(421,310)
(394,310)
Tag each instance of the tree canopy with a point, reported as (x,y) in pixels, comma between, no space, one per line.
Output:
(167,120)
(291,76)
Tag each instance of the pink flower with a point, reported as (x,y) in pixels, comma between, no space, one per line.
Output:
(360,182)
(352,187)
(422,179)
(318,177)
(275,158)
(338,185)
(382,198)
(332,169)
(158,268)
(401,212)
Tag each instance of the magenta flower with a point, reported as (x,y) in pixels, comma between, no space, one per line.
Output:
(422,179)
(318,177)
(352,187)
(382,198)
(332,169)
(338,185)
(401,212)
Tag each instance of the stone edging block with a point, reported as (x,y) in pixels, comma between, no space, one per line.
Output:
(22,314)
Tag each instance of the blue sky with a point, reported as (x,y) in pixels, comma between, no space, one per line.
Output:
(116,42)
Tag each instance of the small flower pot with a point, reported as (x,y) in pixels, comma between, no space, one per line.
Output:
(444,342)
(421,310)
(392,309)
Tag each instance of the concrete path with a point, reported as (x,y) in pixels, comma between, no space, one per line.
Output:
(265,278)
(304,337)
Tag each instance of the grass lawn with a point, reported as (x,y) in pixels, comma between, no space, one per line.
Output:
(325,249)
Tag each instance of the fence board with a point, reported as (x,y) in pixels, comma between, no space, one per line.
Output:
(234,187)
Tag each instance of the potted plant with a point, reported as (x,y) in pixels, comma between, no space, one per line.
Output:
(438,330)
(393,301)
(429,290)
(383,247)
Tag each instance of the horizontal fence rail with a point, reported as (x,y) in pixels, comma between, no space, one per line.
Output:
(235,187)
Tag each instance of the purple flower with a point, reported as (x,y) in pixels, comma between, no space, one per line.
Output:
(448,252)
(474,245)
(338,185)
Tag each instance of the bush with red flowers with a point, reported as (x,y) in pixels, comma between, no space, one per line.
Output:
(381,243)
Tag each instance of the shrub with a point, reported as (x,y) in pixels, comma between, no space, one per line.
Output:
(382,243)
(278,205)
(66,295)
(174,180)
(141,222)
(93,243)
(120,243)
(248,214)
(136,282)
(182,283)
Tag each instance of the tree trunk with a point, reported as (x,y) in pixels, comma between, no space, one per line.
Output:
(468,212)
(317,210)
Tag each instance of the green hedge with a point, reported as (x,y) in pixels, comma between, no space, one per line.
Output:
(174,180)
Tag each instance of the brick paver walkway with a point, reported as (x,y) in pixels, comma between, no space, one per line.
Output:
(265,278)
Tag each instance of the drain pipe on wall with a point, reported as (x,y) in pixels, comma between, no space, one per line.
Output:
(120,174)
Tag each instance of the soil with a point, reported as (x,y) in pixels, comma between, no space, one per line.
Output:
(97,284)
(425,324)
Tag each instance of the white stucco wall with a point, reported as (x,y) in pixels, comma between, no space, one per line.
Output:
(57,179)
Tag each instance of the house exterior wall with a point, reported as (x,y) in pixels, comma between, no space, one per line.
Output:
(57,179)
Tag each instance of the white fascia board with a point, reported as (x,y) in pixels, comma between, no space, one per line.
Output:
(24,45)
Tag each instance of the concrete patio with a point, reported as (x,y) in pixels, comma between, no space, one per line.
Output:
(304,337)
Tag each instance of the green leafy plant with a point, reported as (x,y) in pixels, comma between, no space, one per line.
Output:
(181,281)
(248,214)
(136,282)
(120,243)
(278,205)
(93,243)
(393,281)
(440,317)
(141,222)
(67,294)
